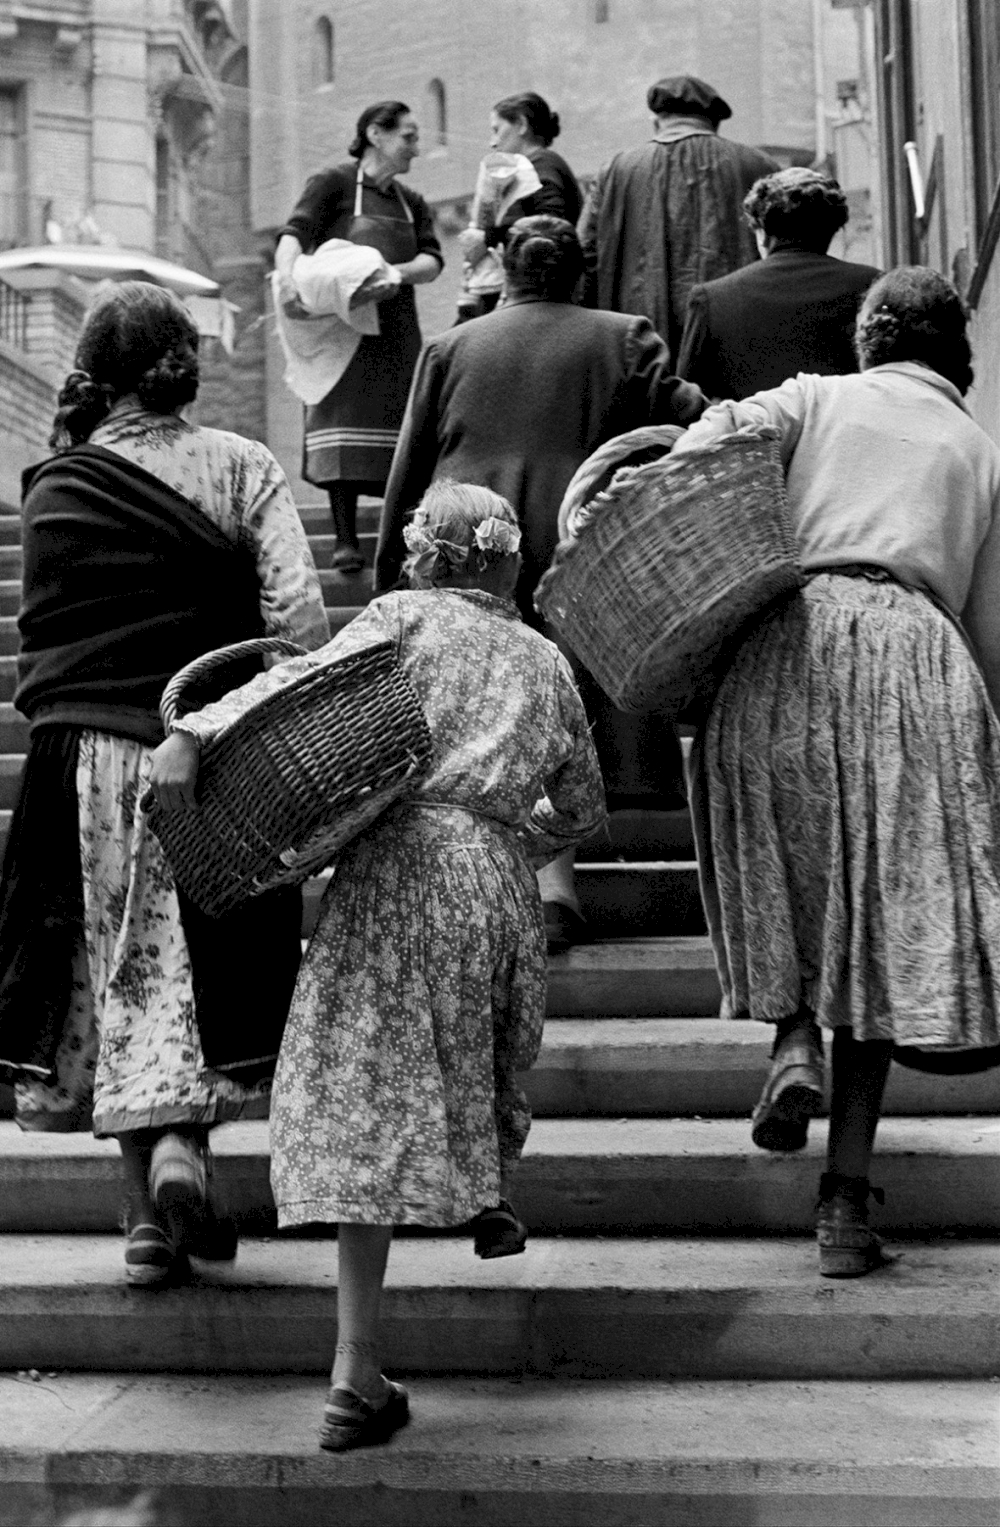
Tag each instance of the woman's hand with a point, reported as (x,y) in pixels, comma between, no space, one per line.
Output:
(472,243)
(174,775)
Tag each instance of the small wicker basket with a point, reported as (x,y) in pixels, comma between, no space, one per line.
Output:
(676,560)
(289,783)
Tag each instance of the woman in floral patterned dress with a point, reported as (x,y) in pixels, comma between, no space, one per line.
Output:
(147,541)
(422,993)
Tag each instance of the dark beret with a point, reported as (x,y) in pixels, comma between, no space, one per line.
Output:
(686,95)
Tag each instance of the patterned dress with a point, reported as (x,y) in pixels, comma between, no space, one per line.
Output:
(846,785)
(130,1056)
(422,993)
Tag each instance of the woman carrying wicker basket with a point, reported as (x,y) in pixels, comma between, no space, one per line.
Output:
(147,542)
(846,786)
(422,993)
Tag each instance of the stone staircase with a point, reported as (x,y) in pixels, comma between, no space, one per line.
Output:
(664,1352)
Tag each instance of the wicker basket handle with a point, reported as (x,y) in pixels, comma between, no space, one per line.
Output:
(209,661)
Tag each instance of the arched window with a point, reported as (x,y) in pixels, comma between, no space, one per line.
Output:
(323,57)
(601,10)
(437,113)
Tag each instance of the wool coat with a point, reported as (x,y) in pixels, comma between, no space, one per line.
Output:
(751,330)
(515,401)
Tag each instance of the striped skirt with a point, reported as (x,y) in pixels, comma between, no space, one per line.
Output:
(846,794)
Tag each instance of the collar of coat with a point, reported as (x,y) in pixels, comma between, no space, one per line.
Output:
(673,129)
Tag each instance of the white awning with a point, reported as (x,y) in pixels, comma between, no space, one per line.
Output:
(97,262)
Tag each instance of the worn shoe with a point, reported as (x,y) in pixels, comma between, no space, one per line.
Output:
(848,1248)
(498,1232)
(347,557)
(213,1237)
(178,1185)
(793,1092)
(351,1421)
(152,1258)
(564,927)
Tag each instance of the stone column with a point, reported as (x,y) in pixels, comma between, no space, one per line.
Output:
(123,162)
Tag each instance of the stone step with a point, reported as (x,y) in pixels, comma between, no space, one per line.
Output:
(317,519)
(580,1176)
(636,834)
(682,1067)
(591,1309)
(518,1452)
(10,596)
(10,529)
(8,677)
(13,730)
(626,978)
(10,560)
(340,589)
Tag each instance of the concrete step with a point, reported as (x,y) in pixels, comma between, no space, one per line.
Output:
(677,1067)
(10,529)
(317,519)
(656,977)
(340,615)
(340,589)
(10,596)
(579,1176)
(10,640)
(507,1452)
(641,835)
(593,1309)
(14,730)
(10,561)
(8,677)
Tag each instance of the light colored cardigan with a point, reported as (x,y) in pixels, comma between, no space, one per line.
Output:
(887,467)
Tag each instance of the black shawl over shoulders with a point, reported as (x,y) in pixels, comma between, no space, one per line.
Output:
(125,581)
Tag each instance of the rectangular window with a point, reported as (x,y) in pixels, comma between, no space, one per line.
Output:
(13,182)
(984,79)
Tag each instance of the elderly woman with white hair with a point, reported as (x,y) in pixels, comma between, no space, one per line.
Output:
(422,993)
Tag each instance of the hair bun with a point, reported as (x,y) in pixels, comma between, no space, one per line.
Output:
(554,128)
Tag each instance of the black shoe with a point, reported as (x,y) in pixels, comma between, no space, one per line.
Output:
(350,1421)
(563,927)
(347,557)
(793,1092)
(848,1247)
(498,1232)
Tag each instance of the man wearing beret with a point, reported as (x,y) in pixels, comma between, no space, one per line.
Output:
(668,215)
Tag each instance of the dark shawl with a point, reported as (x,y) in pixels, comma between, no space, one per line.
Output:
(125,581)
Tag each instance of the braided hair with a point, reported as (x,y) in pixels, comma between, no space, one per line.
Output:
(137,338)
(913,314)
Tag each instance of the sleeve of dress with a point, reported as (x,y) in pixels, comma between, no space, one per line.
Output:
(655,396)
(423,226)
(413,465)
(291,599)
(316,209)
(373,625)
(783,408)
(586,230)
(573,806)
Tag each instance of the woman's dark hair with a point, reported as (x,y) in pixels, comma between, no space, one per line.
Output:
(914,314)
(539,120)
(385,114)
(543,258)
(137,338)
(797,206)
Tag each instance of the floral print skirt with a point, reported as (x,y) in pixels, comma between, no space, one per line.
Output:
(421,996)
(130,1056)
(846,794)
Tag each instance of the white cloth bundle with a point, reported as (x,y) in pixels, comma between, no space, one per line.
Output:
(503,179)
(320,340)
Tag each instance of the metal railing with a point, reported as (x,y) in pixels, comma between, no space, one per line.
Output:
(13,317)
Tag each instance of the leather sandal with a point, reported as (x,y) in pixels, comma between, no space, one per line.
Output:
(793,1092)
(498,1232)
(349,1420)
(848,1247)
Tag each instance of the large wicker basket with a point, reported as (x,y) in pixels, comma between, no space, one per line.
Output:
(288,784)
(674,563)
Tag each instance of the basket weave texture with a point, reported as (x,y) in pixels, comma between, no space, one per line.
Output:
(289,783)
(667,574)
